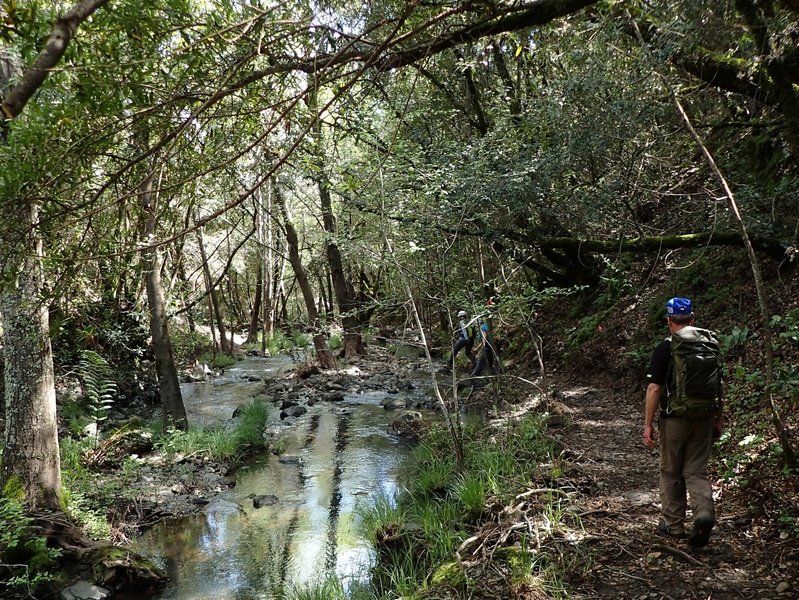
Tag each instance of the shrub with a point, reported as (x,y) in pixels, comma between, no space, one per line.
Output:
(24,557)
(218,360)
(335,341)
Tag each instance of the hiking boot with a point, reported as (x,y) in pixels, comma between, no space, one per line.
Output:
(700,536)
(674,533)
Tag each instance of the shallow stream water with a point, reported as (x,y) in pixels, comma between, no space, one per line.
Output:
(336,457)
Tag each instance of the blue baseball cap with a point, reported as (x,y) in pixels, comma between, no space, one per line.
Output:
(679,306)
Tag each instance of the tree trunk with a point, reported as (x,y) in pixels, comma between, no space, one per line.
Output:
(30,456)
(323,353)
(174,412)
(353,342)
(215,313)
(329,284)
(277,287)
(255,315)
(262,270)
(323,300)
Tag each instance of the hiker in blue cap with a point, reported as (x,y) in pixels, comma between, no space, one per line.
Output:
(684,386)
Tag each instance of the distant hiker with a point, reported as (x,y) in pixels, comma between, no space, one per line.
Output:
(685,384)
(489,353)
(465,338)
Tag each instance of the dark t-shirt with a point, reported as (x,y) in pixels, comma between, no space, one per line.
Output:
(658,371)
(659,365)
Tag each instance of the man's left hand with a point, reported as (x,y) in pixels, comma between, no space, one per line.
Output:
(649,436)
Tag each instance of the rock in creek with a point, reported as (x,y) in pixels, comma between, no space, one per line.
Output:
(293,411)
(290,459)
(394,403)
(264,500)
(408,425)
(83,590)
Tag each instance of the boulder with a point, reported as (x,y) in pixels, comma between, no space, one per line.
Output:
(293,412)
(394,403)
(264,500)
(407,425)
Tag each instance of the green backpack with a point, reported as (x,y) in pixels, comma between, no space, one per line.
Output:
(695,373)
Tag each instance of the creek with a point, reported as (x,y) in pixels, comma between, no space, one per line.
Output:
(335,458)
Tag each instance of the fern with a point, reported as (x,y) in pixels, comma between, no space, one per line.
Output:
(99,387)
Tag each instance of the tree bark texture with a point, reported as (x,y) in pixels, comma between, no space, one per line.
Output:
(172,407)
(31,456)
(323,353)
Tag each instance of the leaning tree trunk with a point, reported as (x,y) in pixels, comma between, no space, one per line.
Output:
(353,341)
(213,296)
(30,456)
(172,407)
(255,314)
(323,353)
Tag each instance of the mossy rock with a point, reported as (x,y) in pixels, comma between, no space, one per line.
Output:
(449,575)
(517,558)
(119,568)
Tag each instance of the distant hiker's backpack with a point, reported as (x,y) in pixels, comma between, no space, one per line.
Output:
(695,373)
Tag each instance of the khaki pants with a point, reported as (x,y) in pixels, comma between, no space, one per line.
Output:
(684,452)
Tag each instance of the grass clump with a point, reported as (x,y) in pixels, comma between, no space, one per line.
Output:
(335,342)
(220,443)
(217,360)
(331,588)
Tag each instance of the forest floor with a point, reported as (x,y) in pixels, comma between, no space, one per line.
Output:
(747,558)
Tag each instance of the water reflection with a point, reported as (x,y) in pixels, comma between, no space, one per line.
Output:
(234,551)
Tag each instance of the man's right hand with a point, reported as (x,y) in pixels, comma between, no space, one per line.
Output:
(649,436)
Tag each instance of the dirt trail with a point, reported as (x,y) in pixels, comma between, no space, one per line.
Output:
(620,512)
